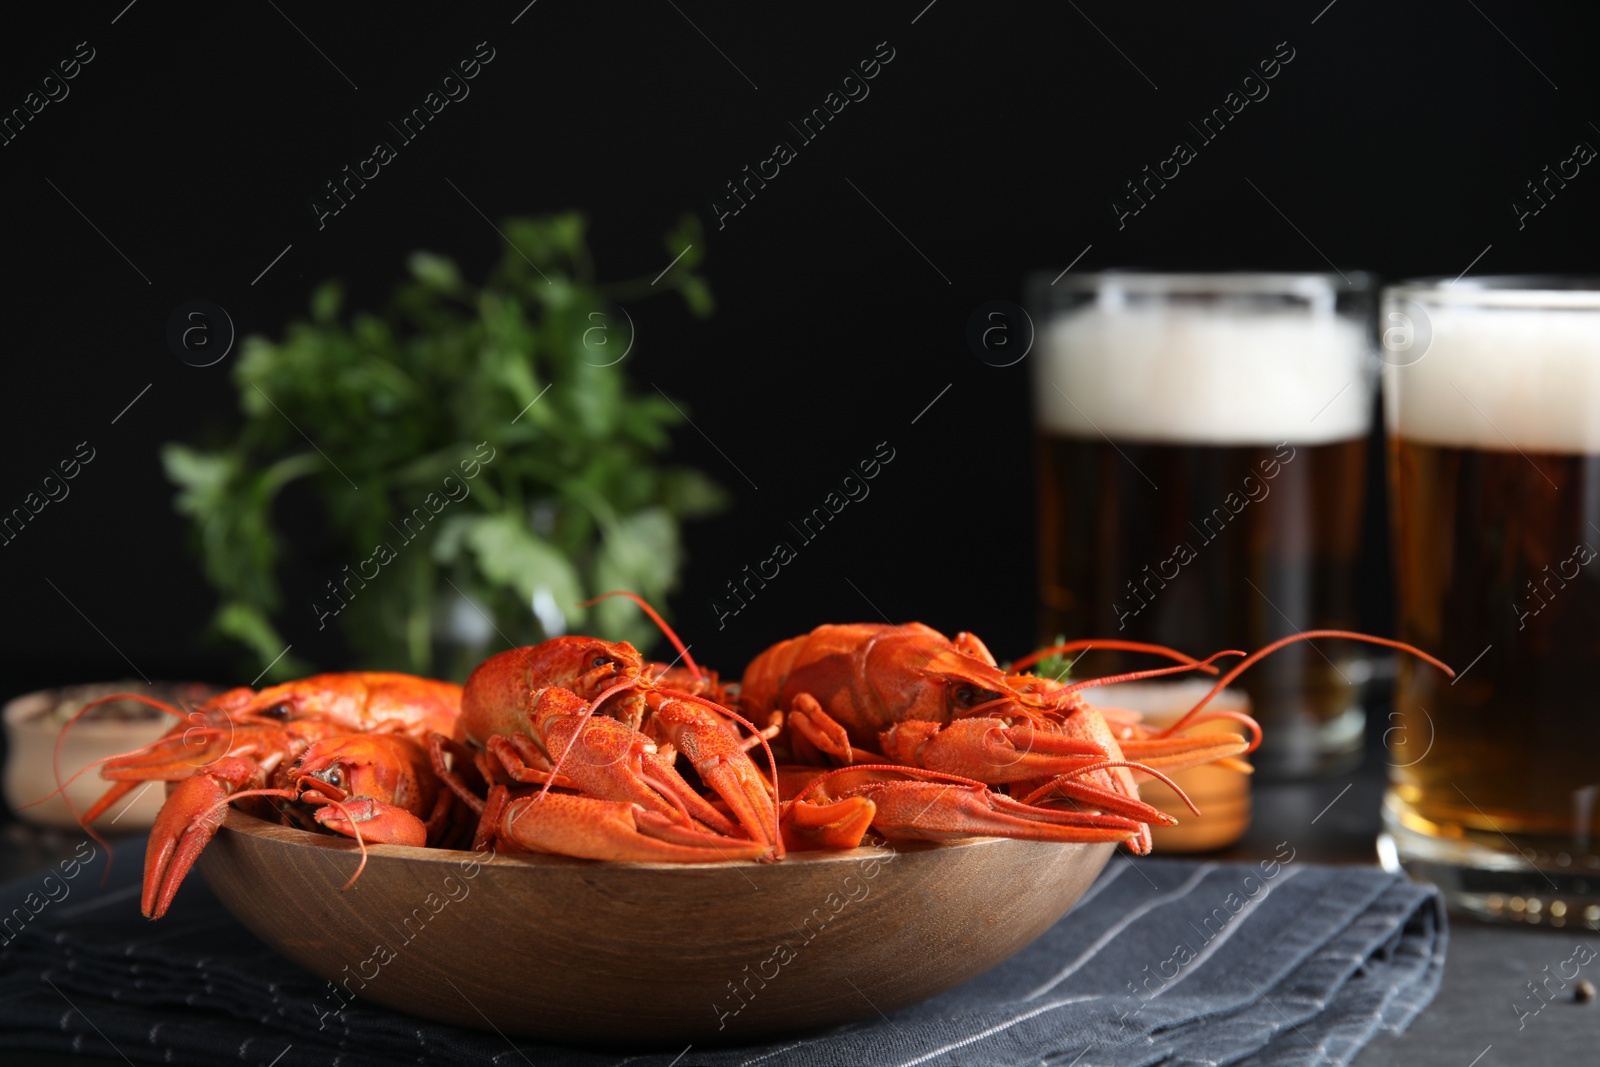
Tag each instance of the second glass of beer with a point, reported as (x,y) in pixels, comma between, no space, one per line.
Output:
(1492,403)
(1202,444)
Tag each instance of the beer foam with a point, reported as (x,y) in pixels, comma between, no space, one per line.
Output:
(1204,376)
(1501,379)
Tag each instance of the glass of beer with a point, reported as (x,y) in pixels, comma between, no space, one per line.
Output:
(1201,454)
(1492,406)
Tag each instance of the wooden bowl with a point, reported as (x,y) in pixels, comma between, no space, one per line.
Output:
(626,953)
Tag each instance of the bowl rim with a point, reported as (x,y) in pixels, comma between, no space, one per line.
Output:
(254,826)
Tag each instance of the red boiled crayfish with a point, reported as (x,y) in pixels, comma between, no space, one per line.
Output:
(591,716)
(231,746)
(571,746)
(923,720)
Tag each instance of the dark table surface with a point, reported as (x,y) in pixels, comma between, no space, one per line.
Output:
(1484,1013)
(1482,1017)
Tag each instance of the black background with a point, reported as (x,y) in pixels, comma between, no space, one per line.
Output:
(994,141)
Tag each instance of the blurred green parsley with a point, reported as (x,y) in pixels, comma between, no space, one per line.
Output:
(574,501)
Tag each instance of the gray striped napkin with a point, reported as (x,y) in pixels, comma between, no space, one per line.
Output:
(1162,962)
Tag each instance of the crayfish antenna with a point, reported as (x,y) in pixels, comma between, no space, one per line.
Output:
(1040,793)
(1232,716)
(55,760)
(91,815)
(1305,635)
(1135,676)
(588,713)
(355,831)
(1109,645)
(661,624)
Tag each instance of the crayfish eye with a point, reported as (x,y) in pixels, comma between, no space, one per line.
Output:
(336,777)
(277,711)
(600,661)
(970,696)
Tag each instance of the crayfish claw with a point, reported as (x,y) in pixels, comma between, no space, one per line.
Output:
(922,805)
(988,749)
(1180,751)
(820,730)
(811,825)
(718,757)
(615,830)
(377,822)
(929,811)
(187,823)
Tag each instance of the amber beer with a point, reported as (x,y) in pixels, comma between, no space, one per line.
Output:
(1201,454)
(1494,457)
(1169,565)
(1497,570)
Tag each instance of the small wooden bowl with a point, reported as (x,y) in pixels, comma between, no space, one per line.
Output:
(31,734)
(1221,793)
(628,953)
